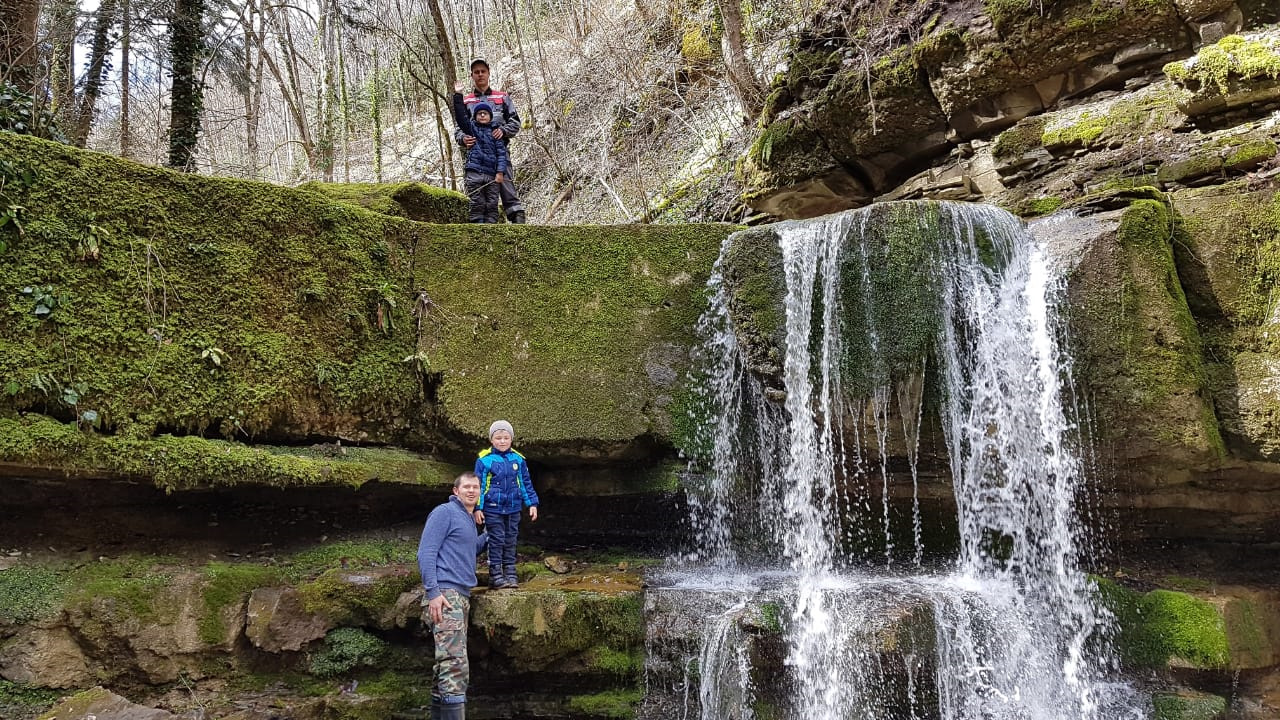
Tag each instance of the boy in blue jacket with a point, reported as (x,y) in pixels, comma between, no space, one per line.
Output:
(487,160)
(505,490)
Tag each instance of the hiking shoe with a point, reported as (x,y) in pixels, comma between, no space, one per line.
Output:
(516,217)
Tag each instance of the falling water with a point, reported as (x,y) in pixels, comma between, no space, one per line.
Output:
(872,298)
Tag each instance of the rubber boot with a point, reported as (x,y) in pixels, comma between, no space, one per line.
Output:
(510,576)
(516,217)
(453,711)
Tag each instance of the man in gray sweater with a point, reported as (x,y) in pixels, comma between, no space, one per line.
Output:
(447,560)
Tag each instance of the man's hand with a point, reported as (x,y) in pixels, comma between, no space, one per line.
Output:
(498,178)
(436,608)
(459,87)
(533,513)
(468,140)
(497,133)
(479,514)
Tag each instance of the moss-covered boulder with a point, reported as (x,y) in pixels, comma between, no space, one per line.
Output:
(1237,71)
(1139,349)
(410,200)
(139,301)
(1229,263)
(548,624)
(1216,629)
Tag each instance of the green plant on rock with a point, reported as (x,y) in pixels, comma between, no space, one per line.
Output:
(346,649)
(30,592)
(1232,57)
(19,700)
(21,113)
(45,299)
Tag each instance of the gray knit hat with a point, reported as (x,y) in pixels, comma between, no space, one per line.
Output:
(501,425)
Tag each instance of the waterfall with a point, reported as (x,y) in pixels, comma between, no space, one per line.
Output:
(800,475)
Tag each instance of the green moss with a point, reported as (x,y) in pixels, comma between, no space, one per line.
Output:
(608,704)
(623,663)
(1164,626)
(1191,629)
(695,48)
(540,628)
(132,588)
(350,554)
(414,201)
(1233,58)
(1196,166)
(184,462)
(346,649)
(1140,345)
(1249,154)
(200,313)
(355,597)
(77,705)
(405,689)
(588,337)
(18,700)
(30,592)
(771,613)
(1188,706)
(1034,207)
(1246,633)
(240,309)
(225,585)
(1116,121)
(1021,138)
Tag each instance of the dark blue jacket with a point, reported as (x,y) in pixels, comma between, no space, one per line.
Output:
(448,549)
(505,485)
(489,155)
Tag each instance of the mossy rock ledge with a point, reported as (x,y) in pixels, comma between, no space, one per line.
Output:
(140,304)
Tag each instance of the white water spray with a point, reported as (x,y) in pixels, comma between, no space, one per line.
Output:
(1018,634)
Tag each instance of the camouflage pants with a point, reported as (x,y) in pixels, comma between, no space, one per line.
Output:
(452,670)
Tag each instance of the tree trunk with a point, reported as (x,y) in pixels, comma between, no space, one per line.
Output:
(185,41)
(96,72)
(375,111)
(445,49)
(739,70)
(62,42)
(18,43)
(126,29)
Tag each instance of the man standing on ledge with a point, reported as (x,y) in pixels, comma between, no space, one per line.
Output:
(505,124)
(447,560)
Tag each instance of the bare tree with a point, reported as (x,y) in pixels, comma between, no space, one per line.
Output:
(741,77)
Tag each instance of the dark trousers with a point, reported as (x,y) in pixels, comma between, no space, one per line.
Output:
(484,193)
(503,532)
(510,200)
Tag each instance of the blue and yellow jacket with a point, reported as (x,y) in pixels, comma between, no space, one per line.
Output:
(505,485)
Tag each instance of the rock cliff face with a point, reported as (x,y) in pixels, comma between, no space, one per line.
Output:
(1156,123)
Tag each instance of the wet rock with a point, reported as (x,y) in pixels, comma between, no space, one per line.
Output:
(277,621)
(556,564)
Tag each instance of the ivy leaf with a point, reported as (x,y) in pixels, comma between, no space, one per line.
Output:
(12,388)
